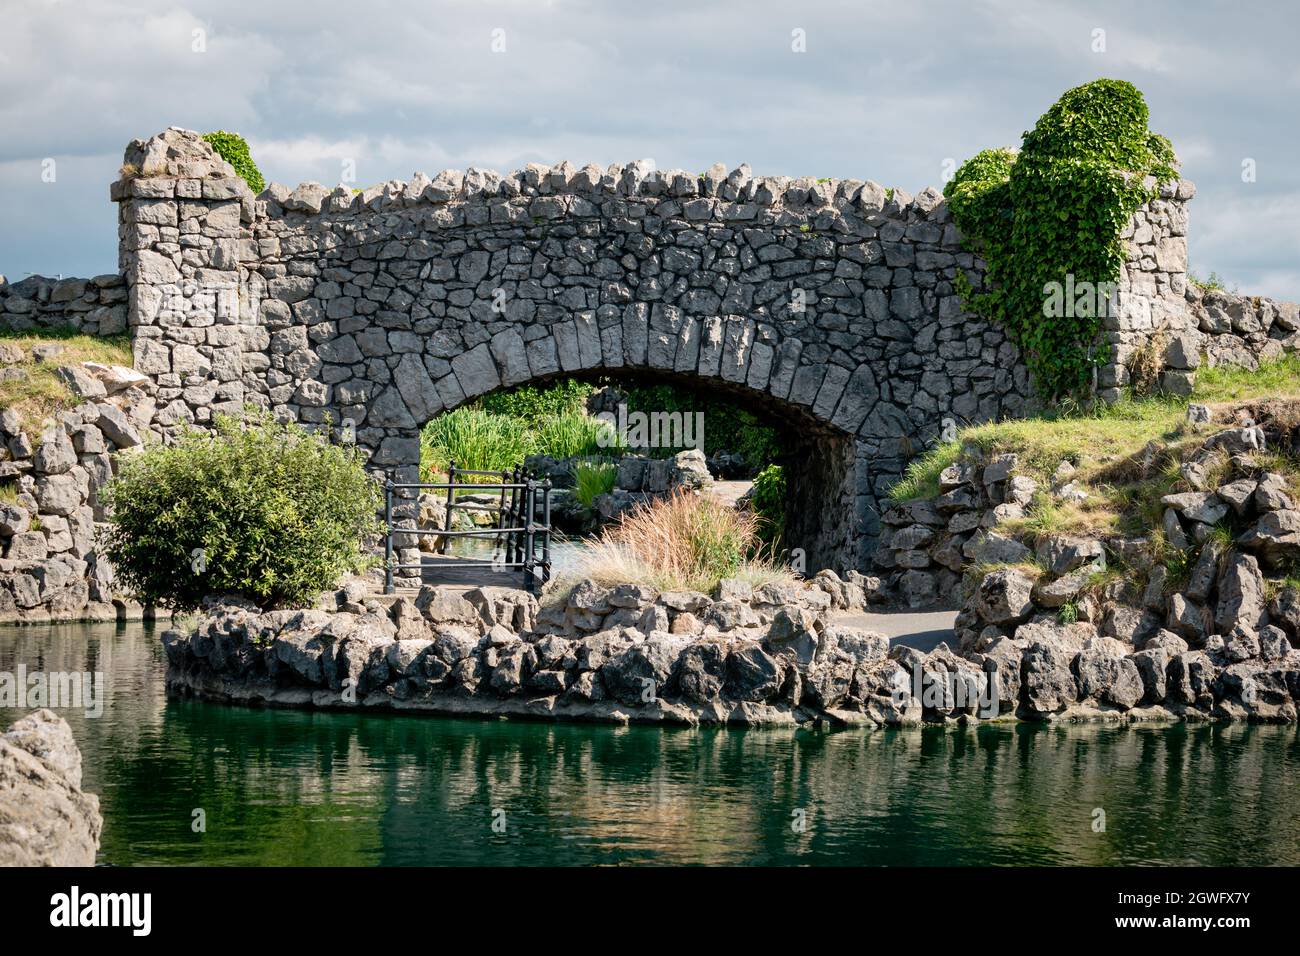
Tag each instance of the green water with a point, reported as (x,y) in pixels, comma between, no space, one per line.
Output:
(281,787)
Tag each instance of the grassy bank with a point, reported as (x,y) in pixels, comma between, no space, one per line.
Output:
(35,391)
(1105,446)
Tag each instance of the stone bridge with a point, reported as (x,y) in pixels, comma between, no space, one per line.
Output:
(829,305)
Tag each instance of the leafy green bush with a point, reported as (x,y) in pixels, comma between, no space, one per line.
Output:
(767,499)
(593,478)
(1056,210)
(532,404)
(257,508)
(233,148)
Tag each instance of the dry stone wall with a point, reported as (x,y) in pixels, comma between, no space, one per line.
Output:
(93,306)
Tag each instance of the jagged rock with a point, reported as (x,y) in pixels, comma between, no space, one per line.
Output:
(1203,506)
(1271,493)
(1049,684)
(1284,610)
(642,672)
(1005,596)
(752,674)
(1188,620)
(1061,554)
(1205,572)
(1062,590)
(795,630)
(1238,494)
(1175,536)
(1106,673)
(1190,677)
(993,548)
(1275,537)
(45,818)
(444,605)
(1241,595)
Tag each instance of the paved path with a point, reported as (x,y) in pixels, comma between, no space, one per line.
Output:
(923,630)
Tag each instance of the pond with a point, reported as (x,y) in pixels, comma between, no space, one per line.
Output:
(285,787)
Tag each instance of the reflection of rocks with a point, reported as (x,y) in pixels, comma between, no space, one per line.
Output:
(45,819)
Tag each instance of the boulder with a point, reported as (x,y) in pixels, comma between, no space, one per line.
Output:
(1061,554)
(1106,674)
(1049,683)
(1275,537)
(45,818)
(752,674)
(1241,595)
(1005,596)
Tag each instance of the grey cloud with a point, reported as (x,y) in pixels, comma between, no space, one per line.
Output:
(886,92)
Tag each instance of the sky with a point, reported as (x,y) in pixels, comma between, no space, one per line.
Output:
(898,92)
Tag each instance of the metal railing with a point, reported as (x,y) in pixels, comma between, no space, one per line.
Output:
(518,533)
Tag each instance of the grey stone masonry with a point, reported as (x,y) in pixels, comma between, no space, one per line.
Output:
(93,306)
(830,304)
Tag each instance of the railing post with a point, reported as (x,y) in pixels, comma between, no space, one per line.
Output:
(546,530)
(451,492)
(512,538)
(388,532)
(499,542)
(530,504)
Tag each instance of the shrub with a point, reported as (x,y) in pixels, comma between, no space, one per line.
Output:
(533,404)
(768,502)
(233,148)
(682,542)
(592,478)
(256,508)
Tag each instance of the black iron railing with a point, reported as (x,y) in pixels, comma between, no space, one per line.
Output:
(521,535)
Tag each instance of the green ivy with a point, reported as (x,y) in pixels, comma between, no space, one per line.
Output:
(1055,210)
(233,148)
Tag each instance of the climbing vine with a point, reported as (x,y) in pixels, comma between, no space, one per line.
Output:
(1048,218)
(233,148)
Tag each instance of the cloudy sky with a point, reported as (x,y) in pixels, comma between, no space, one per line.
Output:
(892,91)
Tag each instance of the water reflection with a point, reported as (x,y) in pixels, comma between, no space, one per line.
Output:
(296,787)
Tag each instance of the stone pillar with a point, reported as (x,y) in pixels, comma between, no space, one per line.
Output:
(1151,324)
(181,210)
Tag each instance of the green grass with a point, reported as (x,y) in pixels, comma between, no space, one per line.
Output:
(572,434)
(1105,444)
(473,439)
(484,441)
(593,478)
(1270,380)
(42,394)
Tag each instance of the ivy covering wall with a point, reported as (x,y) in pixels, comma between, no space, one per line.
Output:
(1052,213)
(233,148)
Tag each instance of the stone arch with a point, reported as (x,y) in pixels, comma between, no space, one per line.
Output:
(830,517)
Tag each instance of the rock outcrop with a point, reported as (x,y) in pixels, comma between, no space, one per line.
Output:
(45,818)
